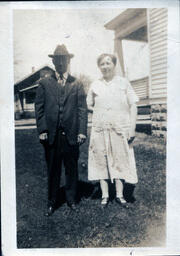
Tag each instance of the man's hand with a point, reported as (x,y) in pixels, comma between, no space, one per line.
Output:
(43,136)
(81,139)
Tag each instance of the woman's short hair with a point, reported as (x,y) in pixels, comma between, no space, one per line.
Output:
(102,56)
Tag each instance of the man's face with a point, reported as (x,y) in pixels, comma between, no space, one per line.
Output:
(61,63)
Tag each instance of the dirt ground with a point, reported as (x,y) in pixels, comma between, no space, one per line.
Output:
(143,224)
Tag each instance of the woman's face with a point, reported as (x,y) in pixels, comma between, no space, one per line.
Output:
(107,67)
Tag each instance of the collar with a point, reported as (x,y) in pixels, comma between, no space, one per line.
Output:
(65,76)
(114,78)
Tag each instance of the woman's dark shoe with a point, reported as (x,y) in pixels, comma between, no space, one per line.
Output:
(121,201)
(105,201)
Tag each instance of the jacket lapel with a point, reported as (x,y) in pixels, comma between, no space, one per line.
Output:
(54,86)
(68,86)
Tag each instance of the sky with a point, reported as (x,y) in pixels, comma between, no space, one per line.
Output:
(38,32)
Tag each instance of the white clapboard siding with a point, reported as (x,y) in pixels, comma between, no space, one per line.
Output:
(158,94)
(158,40)
(158,27)
(159,50)
(143,119)
(159,67)
(155,17)
(141,87)
(163,81)
(159,88)
(160,44)
(159,62)
(159,56)
(155,21)
(157,10)
(158,20)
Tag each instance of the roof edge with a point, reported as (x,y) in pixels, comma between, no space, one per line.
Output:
(112,23)
(31,74)
(123,17)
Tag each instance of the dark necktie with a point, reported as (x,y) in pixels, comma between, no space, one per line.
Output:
(61,76)
(61,81)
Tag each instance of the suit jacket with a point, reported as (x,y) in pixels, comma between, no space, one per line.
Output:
(74,110)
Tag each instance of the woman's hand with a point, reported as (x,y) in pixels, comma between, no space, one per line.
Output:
(131,140)
(131,136)
(133,116)
(90,109)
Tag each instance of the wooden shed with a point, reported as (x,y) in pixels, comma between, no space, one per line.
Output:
(150,26)
(25,92)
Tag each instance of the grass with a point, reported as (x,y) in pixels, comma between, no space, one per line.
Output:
(143,224)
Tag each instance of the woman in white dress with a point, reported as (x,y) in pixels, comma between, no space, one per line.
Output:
(111,156)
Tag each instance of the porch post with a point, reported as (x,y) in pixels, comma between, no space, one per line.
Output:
(149,41)
(24,101)
(21,98)
(119,51)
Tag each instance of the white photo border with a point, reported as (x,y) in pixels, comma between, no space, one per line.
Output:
(8,186)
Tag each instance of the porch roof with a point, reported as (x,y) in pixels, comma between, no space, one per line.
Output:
(130,24)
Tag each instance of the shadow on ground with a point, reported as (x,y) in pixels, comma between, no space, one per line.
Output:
(93,191)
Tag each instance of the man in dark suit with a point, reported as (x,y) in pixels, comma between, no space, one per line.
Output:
(61,117)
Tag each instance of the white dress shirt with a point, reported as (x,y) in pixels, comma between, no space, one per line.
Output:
(63,80)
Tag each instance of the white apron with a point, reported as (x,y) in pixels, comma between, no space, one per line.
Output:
(110,156)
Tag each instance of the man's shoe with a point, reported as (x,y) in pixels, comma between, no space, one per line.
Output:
(50,211)
(72,206)
(121,201)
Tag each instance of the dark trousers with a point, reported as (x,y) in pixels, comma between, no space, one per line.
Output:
(62,151)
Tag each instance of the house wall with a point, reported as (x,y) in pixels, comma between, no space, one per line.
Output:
(141,87)
(25,92)
(157,36)
(158,18)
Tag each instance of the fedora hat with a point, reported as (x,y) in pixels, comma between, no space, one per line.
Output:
(61,51)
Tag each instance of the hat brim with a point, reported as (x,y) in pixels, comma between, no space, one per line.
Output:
(68,55)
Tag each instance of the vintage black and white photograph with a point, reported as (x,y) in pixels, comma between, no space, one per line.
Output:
(90,126)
